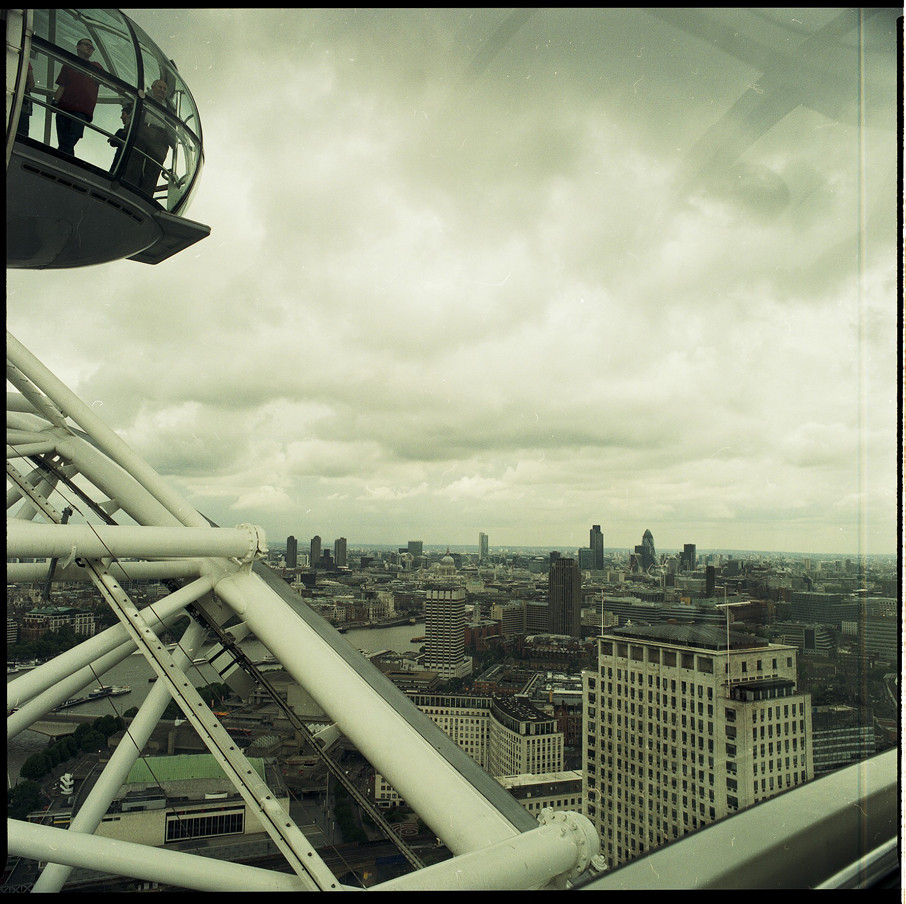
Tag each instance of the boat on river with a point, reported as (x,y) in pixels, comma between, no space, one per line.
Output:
(108,691)
(72,701)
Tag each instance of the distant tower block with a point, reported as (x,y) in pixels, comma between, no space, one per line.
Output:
(596,544)
(565,597)
(315,551)
(649,556)
(688,558)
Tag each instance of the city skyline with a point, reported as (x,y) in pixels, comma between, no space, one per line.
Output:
(438,548)
(457,281)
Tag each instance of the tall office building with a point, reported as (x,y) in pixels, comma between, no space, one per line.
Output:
(415,548)
(292,552)
(482,547)
(564,586)
(445,630)
(315,551)
(596,544)
(339,552)
(649,556)
(687,560)
(681,730)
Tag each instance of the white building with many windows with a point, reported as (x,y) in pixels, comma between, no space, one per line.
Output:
(557,790)
(507,736)
(466,718)
(522,739)
(445,627)
(680,730)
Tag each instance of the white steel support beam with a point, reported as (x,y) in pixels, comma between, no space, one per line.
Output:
(107,441)
(457,811)
(114,481)
(23,450)
(38,707)
(546,857)
(123,858)
(30,399)
(464,806)
(298,851)
(40,687)
(92,811)
(29,540)
(18,437)
(36,484)
(35,572)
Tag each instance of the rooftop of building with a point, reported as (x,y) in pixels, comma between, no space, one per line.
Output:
(182,767)
(520,709)
(54,610)
(708,637)
(541,781)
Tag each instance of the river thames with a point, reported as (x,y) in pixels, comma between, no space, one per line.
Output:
(134,671)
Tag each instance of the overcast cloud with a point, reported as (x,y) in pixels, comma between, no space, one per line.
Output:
(515,272)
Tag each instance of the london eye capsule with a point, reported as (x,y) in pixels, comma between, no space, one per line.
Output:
(103,142)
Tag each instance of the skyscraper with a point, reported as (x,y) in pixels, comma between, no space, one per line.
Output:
(292,552)
(415,548)
(564,585)
(445,629)
(649,556)
(596,543)
(482,547)
(315,551)
(687,561)
(339,552)
(681,730)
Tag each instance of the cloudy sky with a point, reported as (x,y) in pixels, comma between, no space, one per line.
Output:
(520,273)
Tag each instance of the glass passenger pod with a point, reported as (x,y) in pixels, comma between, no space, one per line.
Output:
(107,150)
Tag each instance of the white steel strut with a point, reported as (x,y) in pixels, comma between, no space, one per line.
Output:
(59,453)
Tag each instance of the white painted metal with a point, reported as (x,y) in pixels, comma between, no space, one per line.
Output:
(26,487)
(21,450)
(63,690)
(123,858)
(258,797)
(110,479)
(34,572)
(544,857)
(92,810)
(64,400)
(458,813)
(464,806)
(46,686)
(26,539)
(796,840)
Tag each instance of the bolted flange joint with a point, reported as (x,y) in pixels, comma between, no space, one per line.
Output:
(257,543)
(580,831)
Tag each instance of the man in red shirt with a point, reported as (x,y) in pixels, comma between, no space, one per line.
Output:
(77,96)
